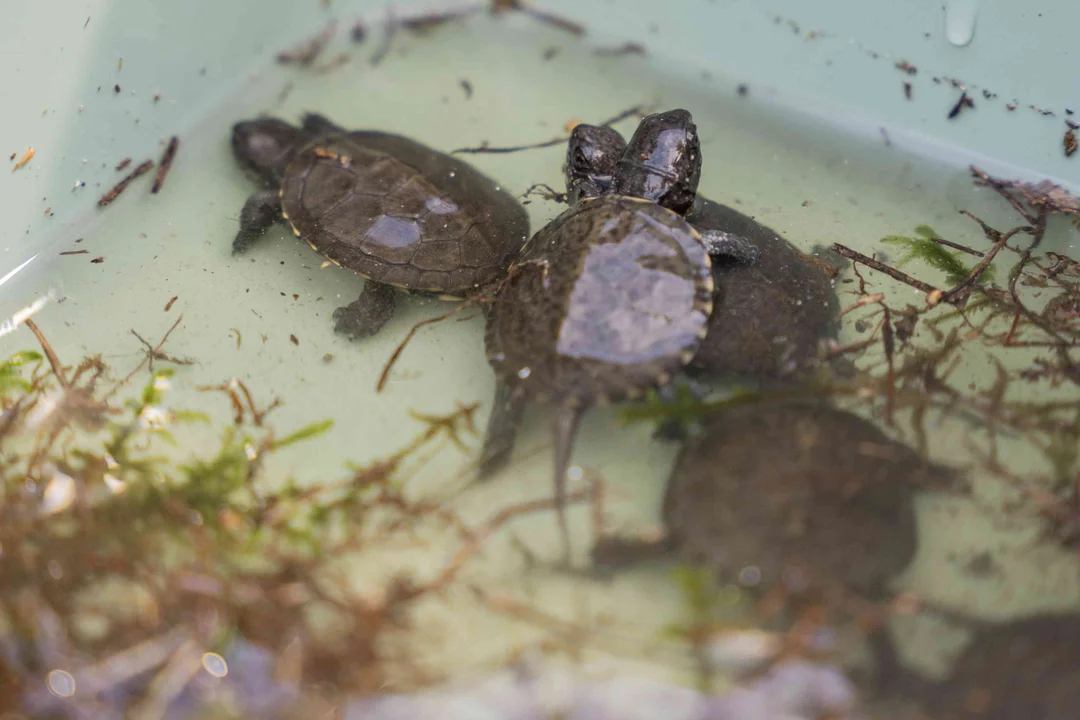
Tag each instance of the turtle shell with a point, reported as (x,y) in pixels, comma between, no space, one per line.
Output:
(401,213)
(806,493)
(1027,668)
(610,298)
(770,315)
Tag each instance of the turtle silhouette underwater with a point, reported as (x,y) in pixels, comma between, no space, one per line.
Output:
(769,315)
(386,207)
(1016,669)
(609,299)
(813,497)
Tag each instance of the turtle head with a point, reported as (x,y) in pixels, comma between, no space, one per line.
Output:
(265,146)
(662,162)
(591,157)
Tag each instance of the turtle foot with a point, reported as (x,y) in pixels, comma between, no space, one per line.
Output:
(367,314)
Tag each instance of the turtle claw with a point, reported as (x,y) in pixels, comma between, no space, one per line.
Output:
(720,244)
(366,315)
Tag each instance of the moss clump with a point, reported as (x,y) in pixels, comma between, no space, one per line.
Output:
(922,247)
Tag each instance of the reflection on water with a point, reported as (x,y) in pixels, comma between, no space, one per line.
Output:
(206,501)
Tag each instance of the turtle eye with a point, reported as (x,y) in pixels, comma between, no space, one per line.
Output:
(580,162)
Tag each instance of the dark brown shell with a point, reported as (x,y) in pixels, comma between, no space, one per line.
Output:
(801,491)
(610,298)
(401,213)
(769,316)
(1024,669)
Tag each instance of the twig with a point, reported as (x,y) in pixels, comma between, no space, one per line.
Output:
(145,360)
(959,294)
(883,268)
(476,537)
(54,361)
(401,346)
(485,148)
(956,246)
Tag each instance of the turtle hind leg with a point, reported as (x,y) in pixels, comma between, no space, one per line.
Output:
(366,315)
(507,410)
(567,422)
(261,210)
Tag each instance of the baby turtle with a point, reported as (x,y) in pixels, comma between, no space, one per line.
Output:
(609,299)
(799,494)
(1014,670)
(384,206)
(769,315)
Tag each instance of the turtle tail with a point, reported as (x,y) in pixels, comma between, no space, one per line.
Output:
(567,422)
(507,409)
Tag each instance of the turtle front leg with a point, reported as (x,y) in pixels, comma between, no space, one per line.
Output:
(507,410)
(720,244)
(261,210)
(367,314)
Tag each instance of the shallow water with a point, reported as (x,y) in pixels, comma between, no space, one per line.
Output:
(265,318)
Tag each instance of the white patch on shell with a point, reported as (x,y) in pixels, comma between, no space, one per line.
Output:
(441,206)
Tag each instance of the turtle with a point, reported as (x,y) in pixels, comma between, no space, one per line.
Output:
(396,212)
(1019,668)
(811,495)
(609,299)
(769,315)
(795,499)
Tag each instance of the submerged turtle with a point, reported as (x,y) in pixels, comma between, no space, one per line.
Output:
(384,206)
(609,299)
(805,493)
(1013,670)
(769,315)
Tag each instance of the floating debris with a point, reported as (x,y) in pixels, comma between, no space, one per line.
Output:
(905,66)
(306,53)
(467,87)
(142,169)
(425,23)
(27,157)
(629,48)
(165,164)
(1069,141)
(964,101)
(168,305)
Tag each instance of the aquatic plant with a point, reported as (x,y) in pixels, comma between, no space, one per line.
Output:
(129,571)
(927,246)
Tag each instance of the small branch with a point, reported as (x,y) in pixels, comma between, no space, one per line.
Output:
(156,351)
(636,110)
(959,294)
(957,246)
(883,268)
(54,361)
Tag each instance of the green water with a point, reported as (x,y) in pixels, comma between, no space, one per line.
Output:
(266,318)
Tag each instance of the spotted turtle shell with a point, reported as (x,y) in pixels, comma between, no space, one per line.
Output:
(609,299)
(400,213)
